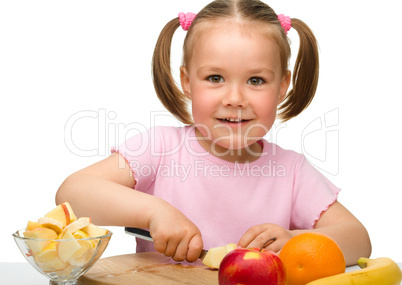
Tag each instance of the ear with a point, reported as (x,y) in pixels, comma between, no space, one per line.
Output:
(185,81)
(284,86)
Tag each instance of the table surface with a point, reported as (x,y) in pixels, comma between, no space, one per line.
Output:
(18,273)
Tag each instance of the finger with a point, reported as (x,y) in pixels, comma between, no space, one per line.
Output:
(263,240)
(171,248)
(194,248)
(248,239)
(181,250)
(274,247)
(160,245)
(277,245)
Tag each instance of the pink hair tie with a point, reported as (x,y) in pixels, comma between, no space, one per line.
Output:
(285,22)
(186,20)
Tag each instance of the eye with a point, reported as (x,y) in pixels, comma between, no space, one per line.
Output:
(215,78)
(255,81)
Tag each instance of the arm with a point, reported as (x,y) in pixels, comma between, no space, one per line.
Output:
(336,222)
(350,234)
(104,191)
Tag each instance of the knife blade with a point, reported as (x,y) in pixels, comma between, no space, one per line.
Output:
(145,235)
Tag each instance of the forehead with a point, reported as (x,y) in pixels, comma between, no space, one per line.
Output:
(229,28)
(227,37)
(228,24)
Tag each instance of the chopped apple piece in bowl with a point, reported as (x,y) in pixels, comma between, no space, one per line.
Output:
(33,225)
(39,238)
(77,225)
(60,246)
(63,213)
(51,223)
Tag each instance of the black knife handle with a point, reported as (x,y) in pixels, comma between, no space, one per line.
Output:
(144,234)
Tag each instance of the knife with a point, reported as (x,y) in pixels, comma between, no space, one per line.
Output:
(145,235)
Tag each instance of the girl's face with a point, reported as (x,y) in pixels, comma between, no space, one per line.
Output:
(235,82)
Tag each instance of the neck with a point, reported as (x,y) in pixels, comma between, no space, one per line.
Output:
(241,155)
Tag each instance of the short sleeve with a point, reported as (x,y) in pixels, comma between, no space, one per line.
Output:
(313,194)
(142,155)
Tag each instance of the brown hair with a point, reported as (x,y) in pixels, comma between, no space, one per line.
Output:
(305,73)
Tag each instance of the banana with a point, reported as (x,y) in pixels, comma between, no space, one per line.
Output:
(379,271)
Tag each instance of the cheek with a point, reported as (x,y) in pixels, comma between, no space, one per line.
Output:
(266,112)
(203,104)
(198,108)
(266,109)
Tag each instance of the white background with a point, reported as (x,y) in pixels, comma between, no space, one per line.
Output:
(61,61)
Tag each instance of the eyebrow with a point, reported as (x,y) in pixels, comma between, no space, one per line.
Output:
(213,69)
(209,69)
(262,70)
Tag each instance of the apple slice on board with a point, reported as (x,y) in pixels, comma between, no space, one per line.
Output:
(215,255)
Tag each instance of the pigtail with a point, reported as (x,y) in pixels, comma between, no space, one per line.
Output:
(168,93)
(305,73)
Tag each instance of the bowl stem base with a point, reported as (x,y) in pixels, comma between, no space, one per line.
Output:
(68,282)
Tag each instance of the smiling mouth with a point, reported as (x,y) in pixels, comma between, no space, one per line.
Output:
(233,120)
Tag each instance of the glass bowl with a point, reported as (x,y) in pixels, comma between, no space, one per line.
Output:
(62,260)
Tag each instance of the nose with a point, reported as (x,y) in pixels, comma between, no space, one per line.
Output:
(235,98)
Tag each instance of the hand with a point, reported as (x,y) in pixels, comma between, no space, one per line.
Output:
(258,235)
(174,234)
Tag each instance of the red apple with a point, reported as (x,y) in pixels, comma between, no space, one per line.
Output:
(251,266)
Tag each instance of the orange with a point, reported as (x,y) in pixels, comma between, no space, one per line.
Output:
(310,256)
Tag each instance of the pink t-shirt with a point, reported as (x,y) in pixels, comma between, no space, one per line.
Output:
(222,198)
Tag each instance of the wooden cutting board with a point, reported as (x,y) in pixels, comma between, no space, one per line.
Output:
(147,268)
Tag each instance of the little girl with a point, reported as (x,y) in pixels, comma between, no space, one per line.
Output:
(217,180)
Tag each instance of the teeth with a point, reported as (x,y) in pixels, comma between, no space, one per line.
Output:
(233,120)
